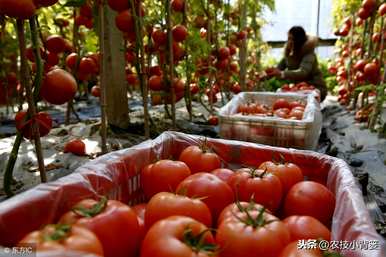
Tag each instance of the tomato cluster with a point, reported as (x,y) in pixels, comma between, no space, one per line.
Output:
(281,108)
(200,209)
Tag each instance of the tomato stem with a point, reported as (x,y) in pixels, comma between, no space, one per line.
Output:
(197,242)
(93,211)
(61,232)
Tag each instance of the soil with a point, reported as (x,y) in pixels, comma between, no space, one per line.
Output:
(341,137)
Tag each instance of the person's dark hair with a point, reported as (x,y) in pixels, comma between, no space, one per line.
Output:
(299,38)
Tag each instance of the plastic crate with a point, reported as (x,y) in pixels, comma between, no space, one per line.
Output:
(116,175)
(301,134)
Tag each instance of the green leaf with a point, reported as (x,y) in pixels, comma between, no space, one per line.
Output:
(75,3)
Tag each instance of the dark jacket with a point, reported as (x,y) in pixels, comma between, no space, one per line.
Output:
(304,67)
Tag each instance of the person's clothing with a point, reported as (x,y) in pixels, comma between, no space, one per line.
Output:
(304,67)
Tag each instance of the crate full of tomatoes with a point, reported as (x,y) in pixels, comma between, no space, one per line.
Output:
(184,195)
(278,119)
(300,88)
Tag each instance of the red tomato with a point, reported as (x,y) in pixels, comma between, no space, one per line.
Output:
(164,204)
(25,126)
(118,5)
(45,3)
(21,9)
(254,234)
(200,159)
(294,104)
(64,237)
(264,188)
(382,9)
(288,173)
(224,53)
(311,199)
(223,174)
(96,91)
(213,120)
(306,227)
(296,114)
(55,44)
(140,210)
(179,33)
(155,83)
(178,236)
(87,65)
(281,103)
(159,37)
(58,87)
(114,223)
(76,147)
(125,21)
(282,113)
(292,250)
(178,5)
(71,60)
(214,192)
(163,176)
(235,209)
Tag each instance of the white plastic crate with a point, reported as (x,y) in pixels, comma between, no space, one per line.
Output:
(301,134)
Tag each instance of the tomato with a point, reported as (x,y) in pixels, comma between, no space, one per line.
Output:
(178,5)
(292,250)
(25,126)
(132,79)
(224,53)
(155,70)
(155,83)
(282,113)
(178,236)
(163,176)
(76,147)
(235,209)
(371,70)
(21,9)
(52,59)
(96,91)
(223,174)
(382,9)
(55,44)
(114,223)
(64,237)
(252,234)
(86,11)
(200,159)
(159,37)
(264,188)
(369,5)
(363,13)
(214,192)
(288,173)
(194,89)
(164,204)
(179,33)
(87,65)
(306,227)
(118,5)
(58,87)
(311,199)
(71,60)
(140,210)
(213,120)
(294,104)
(296,113)
(125,21)
(281,103)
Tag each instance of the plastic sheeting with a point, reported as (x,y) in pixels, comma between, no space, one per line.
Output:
(302,134)
(116,176)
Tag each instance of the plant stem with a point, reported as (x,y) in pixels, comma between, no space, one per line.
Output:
(243,48)
(188,94)
(171,60)
(33,100)
(103,37)
(140,64)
